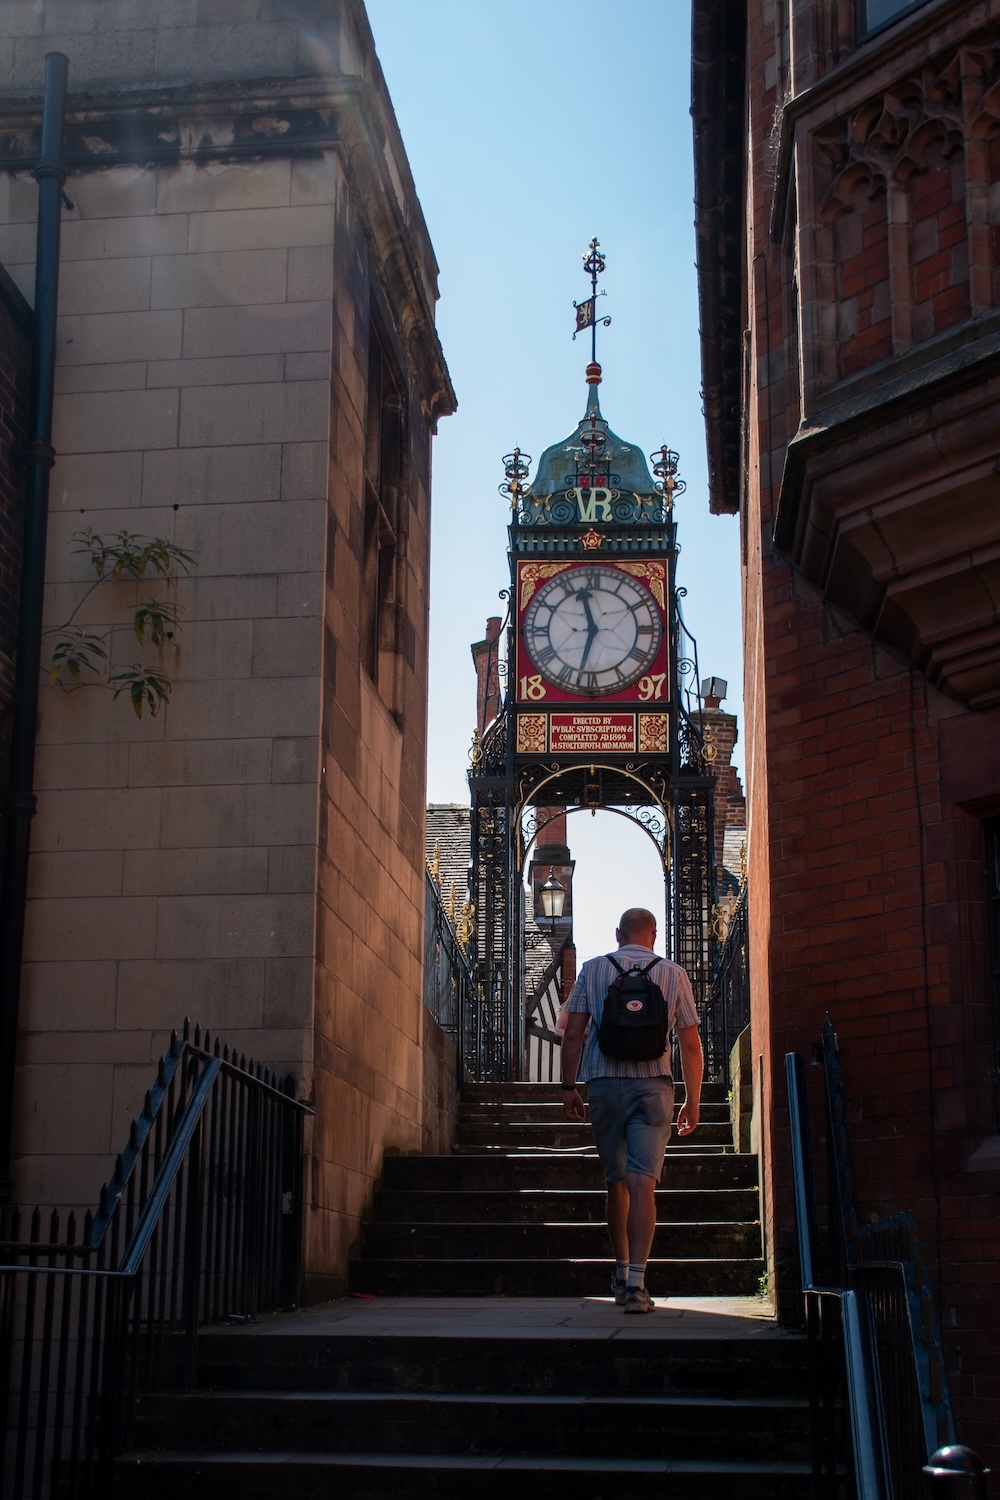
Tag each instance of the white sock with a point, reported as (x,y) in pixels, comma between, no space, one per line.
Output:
(621,1270)
(637,1273)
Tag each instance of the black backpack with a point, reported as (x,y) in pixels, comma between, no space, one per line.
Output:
(634,1021)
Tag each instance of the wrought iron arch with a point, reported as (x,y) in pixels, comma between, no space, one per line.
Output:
(661,839)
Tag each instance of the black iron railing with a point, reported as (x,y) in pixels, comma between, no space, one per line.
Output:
(877,1386)
(729,1008)
(200,1223)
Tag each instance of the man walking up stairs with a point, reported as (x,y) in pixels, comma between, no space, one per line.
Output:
(487,1357)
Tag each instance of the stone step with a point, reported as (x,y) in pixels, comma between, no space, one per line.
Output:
(582,1426)
(563,1134)
(369,1476)
(482,1093)
(550,1111)
(558,1205)
(642,1361)
(539,1241)
(522,1276)
(462,1172)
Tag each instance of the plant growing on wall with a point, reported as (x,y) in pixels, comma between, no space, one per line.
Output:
(77,651)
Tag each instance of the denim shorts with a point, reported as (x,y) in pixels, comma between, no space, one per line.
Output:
(631,1119)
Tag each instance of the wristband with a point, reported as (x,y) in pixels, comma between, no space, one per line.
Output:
(568,1088)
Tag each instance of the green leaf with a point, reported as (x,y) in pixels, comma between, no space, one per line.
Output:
(146,687)
(74,651)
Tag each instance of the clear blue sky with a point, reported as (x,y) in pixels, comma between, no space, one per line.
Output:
(530,127)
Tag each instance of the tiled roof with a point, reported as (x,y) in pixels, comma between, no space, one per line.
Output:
(448,842)
(733,840)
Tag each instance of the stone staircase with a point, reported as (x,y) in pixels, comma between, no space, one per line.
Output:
(519,1209)
(487,1357)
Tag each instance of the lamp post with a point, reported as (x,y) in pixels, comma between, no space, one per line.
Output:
(553,896)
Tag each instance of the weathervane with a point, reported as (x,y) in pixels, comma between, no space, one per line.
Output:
(586,312)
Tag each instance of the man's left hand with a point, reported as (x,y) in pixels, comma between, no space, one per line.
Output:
(687,1119)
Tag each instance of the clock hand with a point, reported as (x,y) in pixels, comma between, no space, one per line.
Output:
(593,629)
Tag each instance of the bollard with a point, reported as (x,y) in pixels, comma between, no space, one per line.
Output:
(955,1473)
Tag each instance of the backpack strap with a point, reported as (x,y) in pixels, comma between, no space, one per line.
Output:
(615,962)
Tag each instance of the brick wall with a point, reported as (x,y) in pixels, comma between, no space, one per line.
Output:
(867,787)
(15,375)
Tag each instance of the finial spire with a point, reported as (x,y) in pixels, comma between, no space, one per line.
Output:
(586,312)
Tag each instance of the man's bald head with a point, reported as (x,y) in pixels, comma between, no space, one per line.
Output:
(637,925)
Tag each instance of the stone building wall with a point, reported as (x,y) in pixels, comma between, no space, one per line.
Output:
(868,497)
(247,299)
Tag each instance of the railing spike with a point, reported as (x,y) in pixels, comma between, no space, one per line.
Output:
(197,1036)
(54,1227)
(187,1028)
(161,1074)
(243,1062)
(225,1053)
(174,1044)
(88,1225)
(71,1227)
(133,1136)
(217,1044)
(36,1226)
(207,1043)
(147,1104)
(119,1170)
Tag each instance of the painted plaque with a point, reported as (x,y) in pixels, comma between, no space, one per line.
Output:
(592,734)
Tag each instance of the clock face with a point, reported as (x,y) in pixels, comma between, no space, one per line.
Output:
(593,630)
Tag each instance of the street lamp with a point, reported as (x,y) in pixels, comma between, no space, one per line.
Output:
(553,899)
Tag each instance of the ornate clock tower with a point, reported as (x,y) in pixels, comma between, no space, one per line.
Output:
(598,710)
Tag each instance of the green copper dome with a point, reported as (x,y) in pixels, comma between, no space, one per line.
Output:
(623,464)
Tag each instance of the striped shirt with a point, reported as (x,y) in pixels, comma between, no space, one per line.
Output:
(587,997)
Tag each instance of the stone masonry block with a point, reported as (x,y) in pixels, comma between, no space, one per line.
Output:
(315,180)
(307,366)
(18,195)
(222,994)
(99,872)
(109,818)
(291,869)
(191,476)
(294,759)
(70,378)
(258,229)
(229,598)
(219,278)
(249,50)
(262,706)
(284,814)
(216,648)
(93,239)
(116,421)
(102,286)
(304,471)
(246,369)
(17,243)
(80,1125)
(286,648)
(68,996)
(310,273)
(279,328)
(288,987)
(63,767)
(233,927)
(253,414)
(206,817)
(300,594)
(192,187)
(278,538)
(98,58)
(116,192)
(99,339)
(195,872)
(90,927)
(200,763)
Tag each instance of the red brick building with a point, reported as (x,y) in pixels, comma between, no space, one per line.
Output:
(848,209)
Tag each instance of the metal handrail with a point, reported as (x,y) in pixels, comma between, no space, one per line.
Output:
(858,1382)
(201,1220)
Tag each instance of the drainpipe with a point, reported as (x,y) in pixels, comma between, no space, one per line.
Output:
(39,456)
